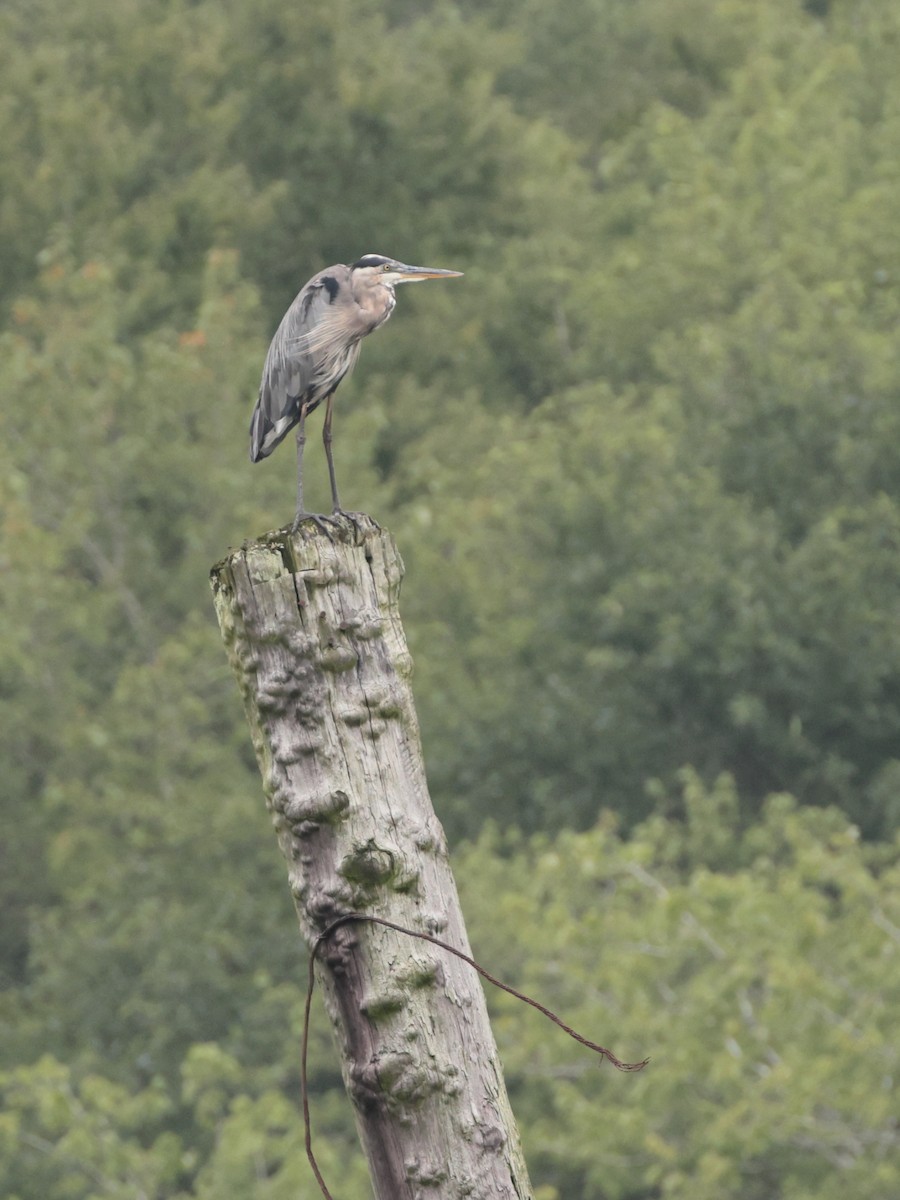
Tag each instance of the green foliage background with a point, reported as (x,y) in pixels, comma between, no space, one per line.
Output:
(645,477)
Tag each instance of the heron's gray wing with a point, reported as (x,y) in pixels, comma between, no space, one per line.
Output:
(315,345)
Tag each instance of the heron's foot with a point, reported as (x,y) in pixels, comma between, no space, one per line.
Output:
(356,519)
(317,518)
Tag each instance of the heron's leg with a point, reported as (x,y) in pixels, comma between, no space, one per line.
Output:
(301,442)
(301,512)
(336,503)
(326,438)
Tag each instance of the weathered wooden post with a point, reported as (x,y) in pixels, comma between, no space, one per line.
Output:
(312,628)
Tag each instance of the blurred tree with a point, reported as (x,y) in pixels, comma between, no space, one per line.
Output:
(761,984)
(644,473)
(712,531)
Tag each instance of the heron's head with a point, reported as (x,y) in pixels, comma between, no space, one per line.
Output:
(375,268)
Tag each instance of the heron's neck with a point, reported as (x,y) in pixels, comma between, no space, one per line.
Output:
(376,302)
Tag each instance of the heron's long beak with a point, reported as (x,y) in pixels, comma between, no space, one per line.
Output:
(415,274)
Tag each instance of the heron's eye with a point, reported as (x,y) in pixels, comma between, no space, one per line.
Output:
(386,267)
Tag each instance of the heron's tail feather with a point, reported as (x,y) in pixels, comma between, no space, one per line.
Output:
(265,434)
(258,432)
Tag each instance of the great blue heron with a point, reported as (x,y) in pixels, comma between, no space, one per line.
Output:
(316,345)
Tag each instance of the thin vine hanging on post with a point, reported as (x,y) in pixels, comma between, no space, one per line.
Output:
(349,918)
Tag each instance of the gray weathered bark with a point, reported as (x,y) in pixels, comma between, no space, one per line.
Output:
(312,628)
